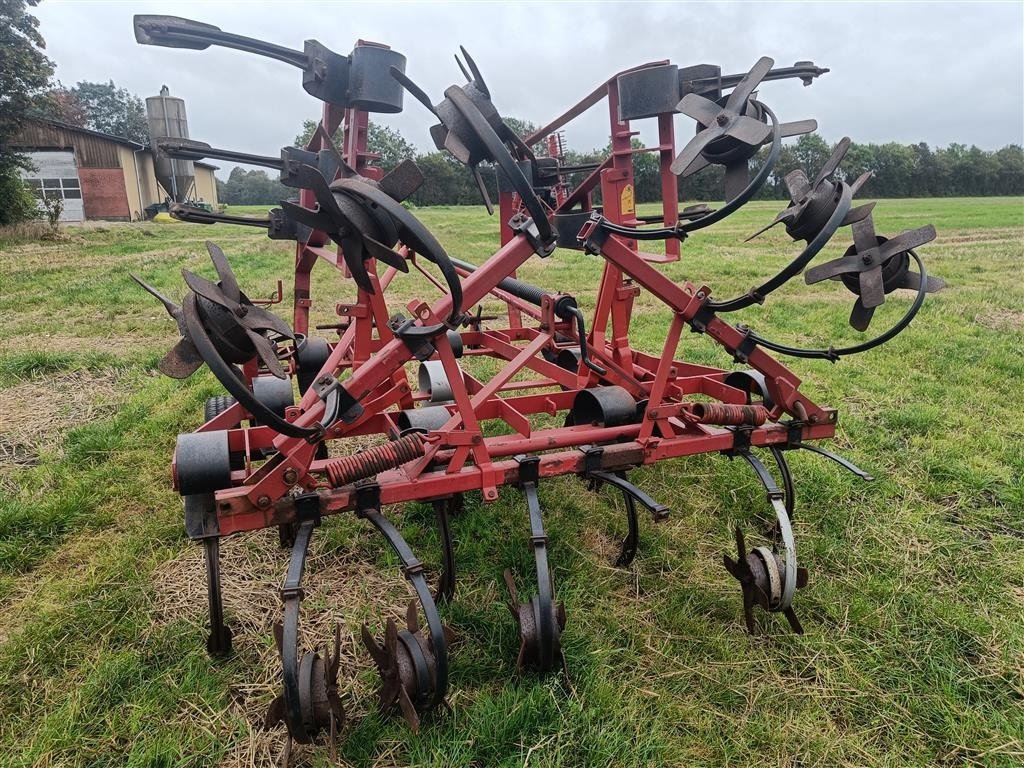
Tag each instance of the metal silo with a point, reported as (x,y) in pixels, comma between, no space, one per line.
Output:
(166,117)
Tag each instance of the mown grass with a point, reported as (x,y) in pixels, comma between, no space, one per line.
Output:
(914,653)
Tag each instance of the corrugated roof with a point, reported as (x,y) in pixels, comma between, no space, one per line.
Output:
(109,137)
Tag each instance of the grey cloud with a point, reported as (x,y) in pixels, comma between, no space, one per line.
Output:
(940,73)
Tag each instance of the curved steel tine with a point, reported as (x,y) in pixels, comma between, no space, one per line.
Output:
(411,620)
(465,72)
(477,77)
(510,584)
(414,89)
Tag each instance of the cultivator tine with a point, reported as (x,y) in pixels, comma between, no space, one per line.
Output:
(219,641)
(541,620)
(309,703)
(630,495)
(446,580)
(412,663)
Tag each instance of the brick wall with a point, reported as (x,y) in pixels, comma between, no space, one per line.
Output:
(103,193)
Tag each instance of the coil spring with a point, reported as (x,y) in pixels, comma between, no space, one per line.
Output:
(374,460)
(725,413)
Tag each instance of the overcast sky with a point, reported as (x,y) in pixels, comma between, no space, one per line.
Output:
(908,72)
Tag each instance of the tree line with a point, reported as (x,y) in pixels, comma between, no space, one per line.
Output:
(900,170)
(27,90)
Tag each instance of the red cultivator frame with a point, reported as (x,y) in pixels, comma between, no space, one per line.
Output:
(618,408)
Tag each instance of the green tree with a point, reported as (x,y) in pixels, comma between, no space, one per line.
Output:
(62,104)
(24,73)
(381,140)
(112,110)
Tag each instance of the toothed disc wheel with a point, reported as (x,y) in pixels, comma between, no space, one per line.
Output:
(762,577)
(407,668)
(529,618)
(319,705)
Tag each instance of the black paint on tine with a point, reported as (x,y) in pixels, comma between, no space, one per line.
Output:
(414,89)
(476,72)
(171,307)
(465,72)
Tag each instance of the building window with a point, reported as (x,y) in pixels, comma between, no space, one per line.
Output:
(55,189)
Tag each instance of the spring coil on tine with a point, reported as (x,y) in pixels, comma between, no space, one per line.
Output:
(729,414)
(372,461)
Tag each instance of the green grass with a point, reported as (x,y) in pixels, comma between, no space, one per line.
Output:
(914,652)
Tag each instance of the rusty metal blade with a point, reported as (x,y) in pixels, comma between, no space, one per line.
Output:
(737,177)
(228,282)
(478,79)
(859,213)
(797,184)
(266,353)
(377,653)
(693,148)
(352,252)
(798,127)
(207,289)
(794,622)
(257,318)
(748,130)
(864,236)
(912,280)
(832,269)
(409,710)
(381,252)
(181,361)
(906,241)
(404,179)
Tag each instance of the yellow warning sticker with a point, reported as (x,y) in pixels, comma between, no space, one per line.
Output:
(626,202)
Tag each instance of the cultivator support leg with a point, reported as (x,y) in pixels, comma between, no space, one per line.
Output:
(201,525)
(219,641)
(413,667)
(309,703)
(541,620)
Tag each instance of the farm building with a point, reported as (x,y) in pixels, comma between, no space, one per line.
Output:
(100,176)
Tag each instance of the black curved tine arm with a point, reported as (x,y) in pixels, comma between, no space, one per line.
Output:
(176,32)
(658,511)
(325,74)
(278,224)
(844,463)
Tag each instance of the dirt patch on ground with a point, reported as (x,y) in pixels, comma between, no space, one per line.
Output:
(38,412)
(341,587)
(1001,319)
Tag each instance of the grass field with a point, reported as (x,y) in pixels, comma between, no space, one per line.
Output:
(914,652)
